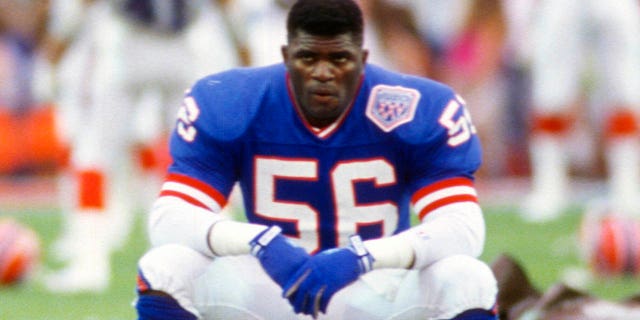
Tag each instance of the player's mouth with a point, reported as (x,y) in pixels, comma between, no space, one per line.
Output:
(323,95)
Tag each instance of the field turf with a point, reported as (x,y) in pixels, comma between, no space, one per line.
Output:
(546,251)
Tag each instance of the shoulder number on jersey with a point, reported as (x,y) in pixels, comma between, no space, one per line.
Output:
(187,115)
(457,120)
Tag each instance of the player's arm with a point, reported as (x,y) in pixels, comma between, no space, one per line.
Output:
(450,229)
(188,209)
(445,200)
(185,214)
(455,228)
(175,219)
(203,148)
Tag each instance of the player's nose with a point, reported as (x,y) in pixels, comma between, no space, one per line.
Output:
(322,71)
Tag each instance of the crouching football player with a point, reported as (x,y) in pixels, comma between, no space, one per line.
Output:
(331,153)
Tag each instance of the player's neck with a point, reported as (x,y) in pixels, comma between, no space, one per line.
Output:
(320,124)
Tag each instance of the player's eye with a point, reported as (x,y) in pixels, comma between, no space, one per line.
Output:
(340,58)
(306,57)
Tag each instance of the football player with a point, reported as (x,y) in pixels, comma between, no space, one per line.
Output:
(331,154)
(120,81)
(573,41)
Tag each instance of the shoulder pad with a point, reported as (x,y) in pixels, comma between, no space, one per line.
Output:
(229,101)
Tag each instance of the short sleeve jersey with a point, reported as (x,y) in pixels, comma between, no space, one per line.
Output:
(403,140)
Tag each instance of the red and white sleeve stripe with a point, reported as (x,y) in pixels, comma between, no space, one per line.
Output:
(442,193)
(193,191)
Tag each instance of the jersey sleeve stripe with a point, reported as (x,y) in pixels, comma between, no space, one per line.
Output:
(206,200)
(443,193)
(459,181)
(446,201)
(193,185)
(191,200)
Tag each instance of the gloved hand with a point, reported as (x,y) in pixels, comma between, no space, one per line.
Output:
(324,274)
(279,257)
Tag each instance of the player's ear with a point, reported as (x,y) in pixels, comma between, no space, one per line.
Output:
(365,56)
(284,50)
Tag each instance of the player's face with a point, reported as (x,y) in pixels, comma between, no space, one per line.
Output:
(325,74)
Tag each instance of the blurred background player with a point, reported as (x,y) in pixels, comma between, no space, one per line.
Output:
(120,82)
(258,25)
(585,67)
(27,140)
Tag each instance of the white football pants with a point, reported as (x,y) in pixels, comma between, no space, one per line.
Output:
(238,288)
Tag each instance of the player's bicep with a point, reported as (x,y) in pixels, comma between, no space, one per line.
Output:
(446,162)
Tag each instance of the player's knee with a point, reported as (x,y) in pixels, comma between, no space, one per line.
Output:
(459,283)
(171,270)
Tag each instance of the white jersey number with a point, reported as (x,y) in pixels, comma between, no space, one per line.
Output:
(187,115)
(349,213)
(459,129)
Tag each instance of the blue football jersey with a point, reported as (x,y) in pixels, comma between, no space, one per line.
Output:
(403,141)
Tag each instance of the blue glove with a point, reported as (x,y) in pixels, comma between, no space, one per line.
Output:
(279,257)
(324,274)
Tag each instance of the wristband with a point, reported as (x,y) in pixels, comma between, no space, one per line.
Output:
(365,259)
(263,239)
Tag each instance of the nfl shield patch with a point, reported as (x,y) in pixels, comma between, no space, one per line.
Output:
(389,107)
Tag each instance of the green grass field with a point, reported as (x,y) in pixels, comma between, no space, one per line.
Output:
(546,251)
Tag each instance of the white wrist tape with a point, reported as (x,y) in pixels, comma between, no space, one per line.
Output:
(391,252)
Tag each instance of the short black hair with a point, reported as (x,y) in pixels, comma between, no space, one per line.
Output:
(326,18)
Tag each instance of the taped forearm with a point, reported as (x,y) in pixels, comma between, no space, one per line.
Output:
(210,233)
(454,229)
(229,238)
(391,252)
(173,221)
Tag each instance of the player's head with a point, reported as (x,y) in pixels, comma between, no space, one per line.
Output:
(326,18)
(324,56)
